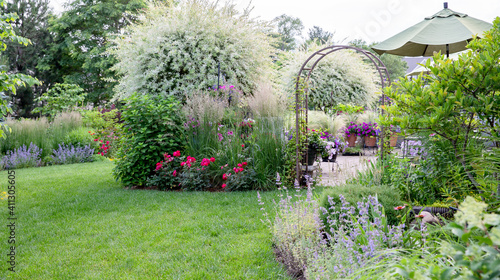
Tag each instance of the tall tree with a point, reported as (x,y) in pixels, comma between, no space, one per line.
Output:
(82,37)
(9,81)
(31,23)
(288,28)
(396,66)
(319,35)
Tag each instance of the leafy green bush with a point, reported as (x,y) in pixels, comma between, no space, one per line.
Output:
(151,126)
(79,137)
(176,50)
(108,129)
(60,98)
(354,193)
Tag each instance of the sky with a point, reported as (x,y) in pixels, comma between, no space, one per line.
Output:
(370,20)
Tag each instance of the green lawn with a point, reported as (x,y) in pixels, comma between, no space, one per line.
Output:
(76,222)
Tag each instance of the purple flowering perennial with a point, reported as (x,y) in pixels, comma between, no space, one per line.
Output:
(23,157)
(67,154)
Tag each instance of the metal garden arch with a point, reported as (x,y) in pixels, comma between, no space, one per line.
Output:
(301,106)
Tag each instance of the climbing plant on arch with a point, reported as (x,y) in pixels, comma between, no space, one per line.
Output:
(301,96)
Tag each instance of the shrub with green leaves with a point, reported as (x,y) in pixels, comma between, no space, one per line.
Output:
(151,126)
(353,193)
(174,50)
(60,98)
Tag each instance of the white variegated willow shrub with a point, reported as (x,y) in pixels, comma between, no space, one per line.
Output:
(175,50)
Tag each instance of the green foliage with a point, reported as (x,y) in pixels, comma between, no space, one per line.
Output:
(396,66)
(151,126)
(79,137)
(459,101)
(288,28)
(475,256)
(40,132)
(82,37)
(354,193)
(32,23)
(176,50)
(8,81)
(107,129)
(60,98)
(319,36)
(348,109)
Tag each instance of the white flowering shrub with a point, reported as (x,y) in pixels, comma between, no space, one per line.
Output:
(175,50)
(341,77)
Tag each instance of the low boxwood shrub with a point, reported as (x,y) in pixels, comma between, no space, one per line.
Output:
(151,126)
(354,193)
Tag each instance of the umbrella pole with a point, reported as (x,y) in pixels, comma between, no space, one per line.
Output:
(447,50)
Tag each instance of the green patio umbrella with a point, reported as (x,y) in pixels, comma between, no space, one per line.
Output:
(446,31)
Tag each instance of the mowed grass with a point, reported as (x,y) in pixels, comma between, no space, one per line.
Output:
(76,222)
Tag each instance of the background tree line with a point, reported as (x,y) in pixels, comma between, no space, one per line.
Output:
(72,47)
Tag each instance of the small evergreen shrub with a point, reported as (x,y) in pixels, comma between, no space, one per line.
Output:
(354,193)
(151,126)
(68,154)
(23,157)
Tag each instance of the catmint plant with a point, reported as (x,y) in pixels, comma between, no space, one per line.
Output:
(67,154)
(23,157)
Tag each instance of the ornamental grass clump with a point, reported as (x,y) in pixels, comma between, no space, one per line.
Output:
(23,157)
(68,154)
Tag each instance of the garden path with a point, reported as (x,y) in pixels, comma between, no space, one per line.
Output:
(345,168)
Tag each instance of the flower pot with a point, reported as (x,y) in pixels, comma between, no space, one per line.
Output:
(312,152)
(370,141)
(394,139)
(352,140)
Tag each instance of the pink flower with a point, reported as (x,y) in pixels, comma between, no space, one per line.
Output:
(224,176)
(159,165)
(175,173)
(96,140)
(433,134)
(243,145)
(177,153)
(107,142)
(399,207)
(244,163)
(223,185)
(241,169)
(240,165)
(230,133)
(183,163)
(212,159)
(419,216)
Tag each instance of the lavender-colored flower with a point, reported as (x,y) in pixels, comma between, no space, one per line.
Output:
(23,157)
(67,154)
